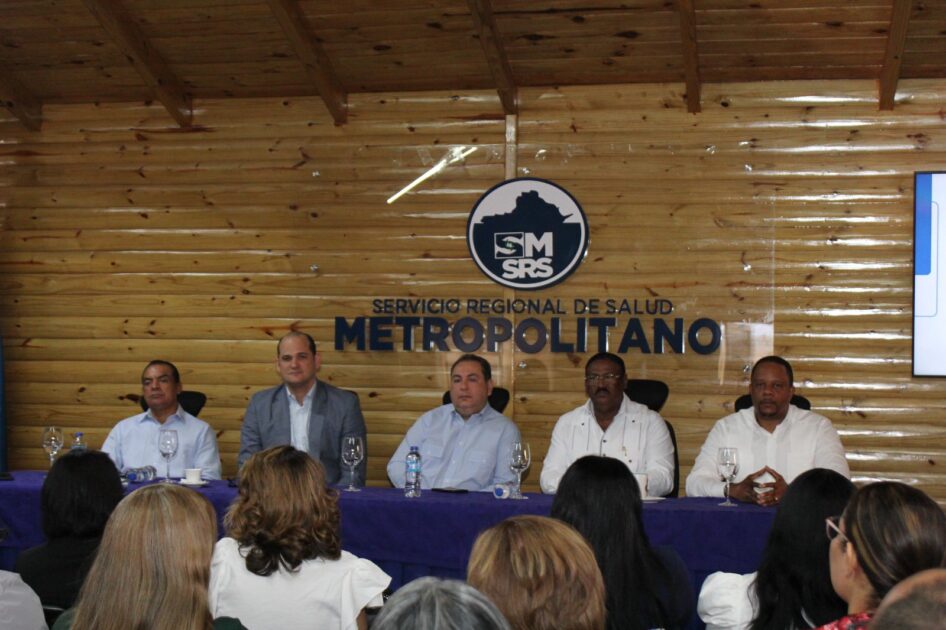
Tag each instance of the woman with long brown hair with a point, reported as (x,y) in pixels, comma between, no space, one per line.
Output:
(152,567)
(888,532)
(282,565)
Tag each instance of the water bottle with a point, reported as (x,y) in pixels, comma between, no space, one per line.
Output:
(412,467)
(78,443)
(137,475)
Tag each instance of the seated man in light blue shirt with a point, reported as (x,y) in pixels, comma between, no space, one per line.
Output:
(466,444)
(134,441)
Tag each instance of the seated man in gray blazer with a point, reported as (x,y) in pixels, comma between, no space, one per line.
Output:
(310,415)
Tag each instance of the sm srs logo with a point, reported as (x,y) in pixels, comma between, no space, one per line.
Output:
(527,233)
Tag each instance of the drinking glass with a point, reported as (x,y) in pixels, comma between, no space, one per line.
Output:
(353,451)
(727,464)
(52,442)
(167,444)
(521,458)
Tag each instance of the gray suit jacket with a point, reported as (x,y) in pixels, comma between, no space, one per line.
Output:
(335,413)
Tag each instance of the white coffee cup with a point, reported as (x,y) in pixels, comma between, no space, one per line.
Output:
(641,484)
(192,475)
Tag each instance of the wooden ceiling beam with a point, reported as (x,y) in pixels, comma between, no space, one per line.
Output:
(15,97)
(485,24)
(893,54)
(318,65)
(691,57)
(132,43)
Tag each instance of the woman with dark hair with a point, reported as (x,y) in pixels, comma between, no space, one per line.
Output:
(282,565)
(646,587)
(78,496)
(888,532)
(792,588)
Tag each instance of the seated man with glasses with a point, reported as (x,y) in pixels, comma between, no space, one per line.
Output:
(612,425)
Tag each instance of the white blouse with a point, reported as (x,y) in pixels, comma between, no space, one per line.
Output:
(323,594)
(727,601)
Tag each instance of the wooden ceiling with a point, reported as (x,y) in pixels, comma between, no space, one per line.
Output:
(174,51)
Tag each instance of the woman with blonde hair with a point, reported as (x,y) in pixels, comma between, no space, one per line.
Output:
(152,567)
(540,573)
(282,565)
(888,532)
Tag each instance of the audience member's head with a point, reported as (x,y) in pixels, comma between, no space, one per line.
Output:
(434,604)
(888,532)
(153,565)
(284,513)
(600,498)
(79,494)
(917,603)
(540,573)
(793,584)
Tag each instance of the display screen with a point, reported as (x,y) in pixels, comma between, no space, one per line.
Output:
(929,275)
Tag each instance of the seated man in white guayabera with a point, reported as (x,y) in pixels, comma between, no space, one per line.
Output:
(612,425)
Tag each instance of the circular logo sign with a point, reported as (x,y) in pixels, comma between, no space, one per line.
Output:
(527,233)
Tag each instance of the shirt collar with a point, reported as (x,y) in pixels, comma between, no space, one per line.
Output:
(177,416)
(622,411)
(479,416)
(308,395)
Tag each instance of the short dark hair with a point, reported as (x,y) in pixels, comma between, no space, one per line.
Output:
(174,372)
(921,606)
(777,361)
(296,333)
(484,364)
(610,356)
(79,494)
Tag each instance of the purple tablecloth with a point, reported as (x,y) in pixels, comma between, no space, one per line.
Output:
(433,535)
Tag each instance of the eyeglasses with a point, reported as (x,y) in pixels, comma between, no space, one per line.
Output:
(832,529)
(607,378)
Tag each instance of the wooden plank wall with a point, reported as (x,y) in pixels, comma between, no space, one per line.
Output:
(782,211)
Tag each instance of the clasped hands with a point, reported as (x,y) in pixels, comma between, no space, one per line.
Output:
(764,494)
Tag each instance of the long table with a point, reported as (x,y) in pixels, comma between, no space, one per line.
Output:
(433,534)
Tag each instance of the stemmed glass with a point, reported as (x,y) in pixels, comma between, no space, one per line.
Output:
(727,464)
(167,444)
(353,451)
(52,443)
(521,458)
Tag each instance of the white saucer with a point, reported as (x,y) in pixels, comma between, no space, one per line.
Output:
(652,499)
(184,482)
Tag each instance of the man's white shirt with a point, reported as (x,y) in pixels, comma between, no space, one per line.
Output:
(133,443)
(637,436)
(802,441)
(299,419)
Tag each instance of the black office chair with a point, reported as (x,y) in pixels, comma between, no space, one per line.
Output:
(745,401)
(51,613)
(654,394)
(497,400)
(647,392)
(192,402)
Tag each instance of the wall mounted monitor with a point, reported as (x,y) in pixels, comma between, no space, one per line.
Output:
(929,274)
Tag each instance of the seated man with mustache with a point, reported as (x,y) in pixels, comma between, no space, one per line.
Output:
(611,425)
